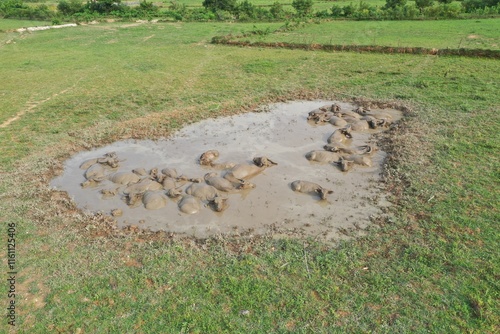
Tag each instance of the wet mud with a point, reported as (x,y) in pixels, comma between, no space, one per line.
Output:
(283,134)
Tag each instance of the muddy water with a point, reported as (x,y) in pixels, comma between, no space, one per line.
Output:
(285,136)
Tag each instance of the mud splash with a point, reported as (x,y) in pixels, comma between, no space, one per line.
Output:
(284,135)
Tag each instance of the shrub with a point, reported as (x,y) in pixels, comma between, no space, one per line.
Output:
(200,14)
(349,10)
(322,14)
(247,10)
(337,11)
(394,3)
(224,15)
(277,11)
(443,11)
(263,14)
(407,12)
(17,9)
(423,3)
(105,6)
(178,7)
(220,5)
(472,5)
(303,7)
(365,11)
(70,7)
(147,7)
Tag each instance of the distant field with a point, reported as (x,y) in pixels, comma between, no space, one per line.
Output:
(475,34)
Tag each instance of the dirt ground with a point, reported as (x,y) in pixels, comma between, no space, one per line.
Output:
(282,134)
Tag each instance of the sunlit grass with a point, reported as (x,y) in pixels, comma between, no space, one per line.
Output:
(473,34)
(432,268)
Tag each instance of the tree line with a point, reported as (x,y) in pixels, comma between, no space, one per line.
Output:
(77,10)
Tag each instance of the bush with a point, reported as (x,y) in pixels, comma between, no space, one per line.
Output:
(263,14)
(394,3)
(224,15)
(303,7)
(337,11)
(471,5)
(199,14)
(365,11)
(407,12)
(178,7)
(18,10)
(247,10)
(70,7)
(322,14)
(220,5)
(349,10)
(147,7)
(443,11)
(277,11)
(105,6)
(423,3)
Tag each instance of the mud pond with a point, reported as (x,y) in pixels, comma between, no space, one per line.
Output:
(284,135)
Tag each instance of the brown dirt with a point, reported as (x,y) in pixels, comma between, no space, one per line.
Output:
(285,136)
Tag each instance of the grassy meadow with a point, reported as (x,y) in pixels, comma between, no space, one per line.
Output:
(433,267)
(453,34)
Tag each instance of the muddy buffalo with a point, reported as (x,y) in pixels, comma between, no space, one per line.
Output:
(322,156)
(189,204)
(245,171)
(310,188)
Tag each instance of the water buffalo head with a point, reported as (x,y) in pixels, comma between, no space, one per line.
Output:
(133,199)
(245,185)
(344,165)
(174,192)
(208,157)
(322,192)
(263,162)
(218,203)
(346,131)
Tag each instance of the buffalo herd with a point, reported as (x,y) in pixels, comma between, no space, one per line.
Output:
(154,188)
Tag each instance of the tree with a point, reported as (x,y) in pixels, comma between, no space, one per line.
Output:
(70,7)
(248,9)
(423,3)
(104,6)
(215,5)
(471,5)
(276,10)
(303,7)
(394,3)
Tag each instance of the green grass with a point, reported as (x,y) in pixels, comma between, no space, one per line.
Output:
(433,268)
(473,34)
(9,24)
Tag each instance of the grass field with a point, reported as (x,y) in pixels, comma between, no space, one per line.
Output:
(434,267)
(8,24)
(473,34)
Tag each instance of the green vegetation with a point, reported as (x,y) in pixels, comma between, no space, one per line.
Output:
(10,24)
(303,7)
(472,34)
(245,10)
(433,267)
